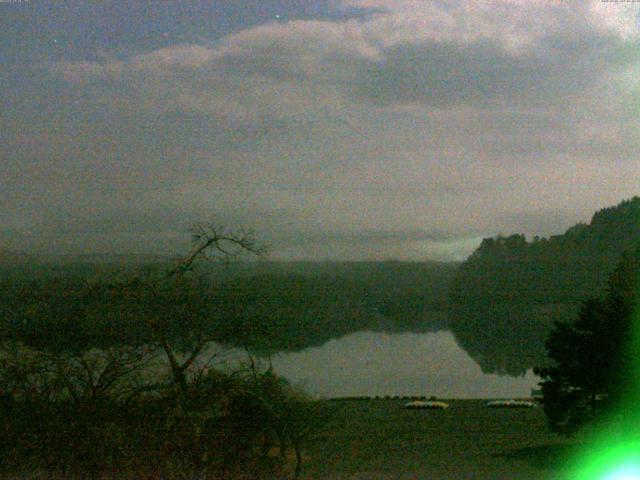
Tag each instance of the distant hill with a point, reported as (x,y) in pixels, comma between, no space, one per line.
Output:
(266,307)
(508,293)
(291,306)
(500,303)
(11,257)
(103,259)
(39,267)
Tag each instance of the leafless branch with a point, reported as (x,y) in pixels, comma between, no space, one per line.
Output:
(216,242)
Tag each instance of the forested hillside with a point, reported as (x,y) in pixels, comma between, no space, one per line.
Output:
(266,307)
(507,294)
(500,303)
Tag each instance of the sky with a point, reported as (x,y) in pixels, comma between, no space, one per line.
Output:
(336,129)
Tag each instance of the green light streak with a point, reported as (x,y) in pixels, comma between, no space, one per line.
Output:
(616,459)
(615,453)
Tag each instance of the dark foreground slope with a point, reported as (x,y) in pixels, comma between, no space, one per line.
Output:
(509,292)
(378,439)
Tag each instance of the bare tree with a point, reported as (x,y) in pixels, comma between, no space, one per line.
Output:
(115,374)
(294,418)
(189,301)
(214,242)
(191,306)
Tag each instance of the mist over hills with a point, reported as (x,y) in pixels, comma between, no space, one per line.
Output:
(500,303)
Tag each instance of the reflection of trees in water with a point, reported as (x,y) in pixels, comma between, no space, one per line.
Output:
(291,312)
(508,293)
(507,339)
(271,308)
(340,327)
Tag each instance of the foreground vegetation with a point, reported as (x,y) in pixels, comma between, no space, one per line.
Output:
(101,414)
(113,379)
(378,439)
(595,358)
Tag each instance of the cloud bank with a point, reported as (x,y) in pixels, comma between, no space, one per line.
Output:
(458,118)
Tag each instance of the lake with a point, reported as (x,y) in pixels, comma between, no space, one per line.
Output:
(380,364)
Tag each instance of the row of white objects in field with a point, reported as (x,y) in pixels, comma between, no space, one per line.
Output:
(436,405)
(511,404)
(420,404)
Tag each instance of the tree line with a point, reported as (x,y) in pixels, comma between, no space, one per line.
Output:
(507,295)
(264,307)
(593,373)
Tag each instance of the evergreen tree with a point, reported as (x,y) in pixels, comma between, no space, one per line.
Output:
(593,357)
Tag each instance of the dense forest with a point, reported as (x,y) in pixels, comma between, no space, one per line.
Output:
(508,293)
(593,375)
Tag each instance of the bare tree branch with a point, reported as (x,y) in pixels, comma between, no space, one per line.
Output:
(219,243)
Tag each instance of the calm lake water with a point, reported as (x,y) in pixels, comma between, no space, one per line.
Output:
(374,363)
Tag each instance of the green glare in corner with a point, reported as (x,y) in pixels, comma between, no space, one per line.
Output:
(624,473)
(619,460)
(615,455)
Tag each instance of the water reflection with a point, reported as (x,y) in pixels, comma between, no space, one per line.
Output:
(375,363)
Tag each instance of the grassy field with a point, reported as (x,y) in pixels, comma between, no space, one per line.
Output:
(379,440)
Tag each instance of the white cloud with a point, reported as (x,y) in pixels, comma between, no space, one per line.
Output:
(438,115)
(514,24)
(80,72)
(180,56)
(269,72)
(620,18)
(409,52)
(307,40)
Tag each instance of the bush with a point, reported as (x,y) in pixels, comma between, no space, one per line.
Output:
(93,414)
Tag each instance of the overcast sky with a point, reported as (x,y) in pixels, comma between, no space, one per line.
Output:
(337,129)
